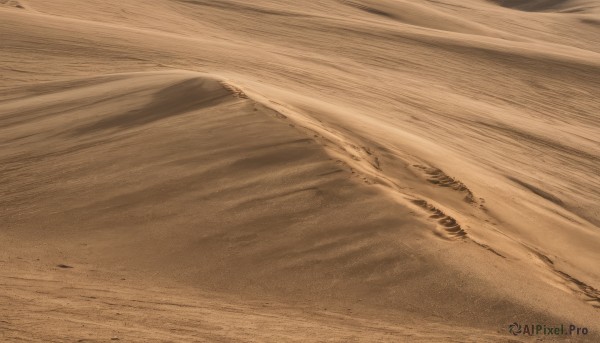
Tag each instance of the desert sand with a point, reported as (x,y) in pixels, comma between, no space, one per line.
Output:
(298,171)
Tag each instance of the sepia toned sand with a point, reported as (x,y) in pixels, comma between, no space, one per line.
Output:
(286,171)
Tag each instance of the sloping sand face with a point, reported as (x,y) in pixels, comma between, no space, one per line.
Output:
(274,171)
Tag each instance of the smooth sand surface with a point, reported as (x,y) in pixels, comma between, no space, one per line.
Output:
(319,171)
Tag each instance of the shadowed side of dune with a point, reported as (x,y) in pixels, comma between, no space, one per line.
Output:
(184,178)
(185,181)
(187,95)
(548,5)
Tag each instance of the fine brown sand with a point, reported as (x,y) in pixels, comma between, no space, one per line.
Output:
(298,171)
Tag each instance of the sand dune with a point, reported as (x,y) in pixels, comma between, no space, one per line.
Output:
(282,171)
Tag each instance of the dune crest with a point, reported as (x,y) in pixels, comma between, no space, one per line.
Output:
(282,171)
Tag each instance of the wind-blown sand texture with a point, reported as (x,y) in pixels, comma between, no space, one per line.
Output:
(298,171)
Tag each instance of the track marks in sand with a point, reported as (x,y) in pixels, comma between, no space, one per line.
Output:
(238,93)
(349,151)
(362,162)
(11,3)
(591,294)
(450,228)
(438,177)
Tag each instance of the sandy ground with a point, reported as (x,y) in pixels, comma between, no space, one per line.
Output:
(323,171)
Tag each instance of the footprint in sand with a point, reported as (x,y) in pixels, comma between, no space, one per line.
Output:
(451,229)
(438,177)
